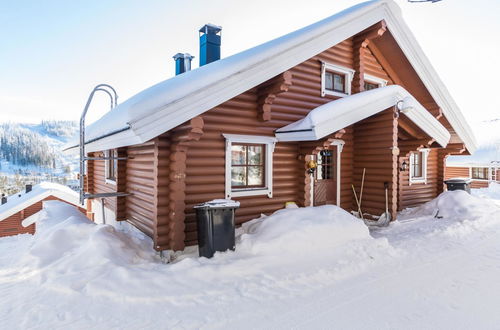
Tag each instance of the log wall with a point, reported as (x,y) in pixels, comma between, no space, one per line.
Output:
(375,143)
(140,183)
(414,194)
(96,172)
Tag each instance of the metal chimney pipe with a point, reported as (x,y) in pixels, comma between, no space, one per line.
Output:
(4,200)
(210,41)
(29,187)
(182,62)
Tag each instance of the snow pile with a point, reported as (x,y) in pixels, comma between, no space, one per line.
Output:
(492,191)
(69,242)
(457,205)
(302,268)
(302,231)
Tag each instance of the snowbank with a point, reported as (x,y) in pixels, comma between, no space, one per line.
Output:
(302,231)
(68,241)
(457,205)
(492,191)
(303,268)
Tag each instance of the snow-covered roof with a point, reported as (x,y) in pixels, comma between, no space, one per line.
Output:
(335,115)
(20,201)
(178,99)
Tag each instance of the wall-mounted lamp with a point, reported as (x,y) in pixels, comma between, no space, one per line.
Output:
(311,166)
(404,166)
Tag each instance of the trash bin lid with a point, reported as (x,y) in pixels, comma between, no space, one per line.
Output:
(219,204)
(458,180)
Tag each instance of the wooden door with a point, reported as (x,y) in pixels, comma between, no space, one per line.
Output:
(324,178)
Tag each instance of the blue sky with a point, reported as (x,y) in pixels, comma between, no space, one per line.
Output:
(53,52)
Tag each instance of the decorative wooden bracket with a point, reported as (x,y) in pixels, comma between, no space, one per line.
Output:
(268,91)
(360,44)
(339,133)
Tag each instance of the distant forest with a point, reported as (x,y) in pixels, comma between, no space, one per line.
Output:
(22,145)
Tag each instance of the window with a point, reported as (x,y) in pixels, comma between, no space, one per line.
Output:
(324,170)
(372,82)
(249,165)
(111,165)
(370,86)
(418,166)
(480,173)
(335,80)
(416,163)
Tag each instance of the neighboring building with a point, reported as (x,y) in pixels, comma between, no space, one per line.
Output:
(15,209)
(351,92)
(482,168)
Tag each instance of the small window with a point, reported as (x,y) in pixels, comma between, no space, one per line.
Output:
(370,86)
(324,170)
(480,173)
(418,166)
(247,165)
(111,165)
(335,80)
(416,163)
(372,82)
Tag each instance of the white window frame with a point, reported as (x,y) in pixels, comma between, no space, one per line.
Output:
(109,153)
(375,80)
(485,180)
(270,142)
(423,178)
(349,73)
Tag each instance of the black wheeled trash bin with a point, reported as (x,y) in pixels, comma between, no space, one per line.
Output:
(458,184)
(215,226)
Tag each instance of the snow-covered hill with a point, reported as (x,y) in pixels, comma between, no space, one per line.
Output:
(33,152)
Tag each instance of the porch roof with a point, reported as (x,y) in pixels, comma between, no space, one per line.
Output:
(335,115)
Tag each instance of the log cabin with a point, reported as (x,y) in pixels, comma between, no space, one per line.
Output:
(354,93)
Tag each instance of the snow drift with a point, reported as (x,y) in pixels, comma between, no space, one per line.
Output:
(68,241)
(297,268)
(457,204)
(302,231)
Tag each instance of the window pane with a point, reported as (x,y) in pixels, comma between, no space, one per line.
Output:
(479,173)
(416,164)
(255,176)
(255,155)
(329,81)
(338,83)
(238,155)
(238,176)
(369,86)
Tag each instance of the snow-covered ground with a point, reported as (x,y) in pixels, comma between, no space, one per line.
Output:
(299,268)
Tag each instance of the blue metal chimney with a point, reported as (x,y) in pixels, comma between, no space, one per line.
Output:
(209,43)
(182,62)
